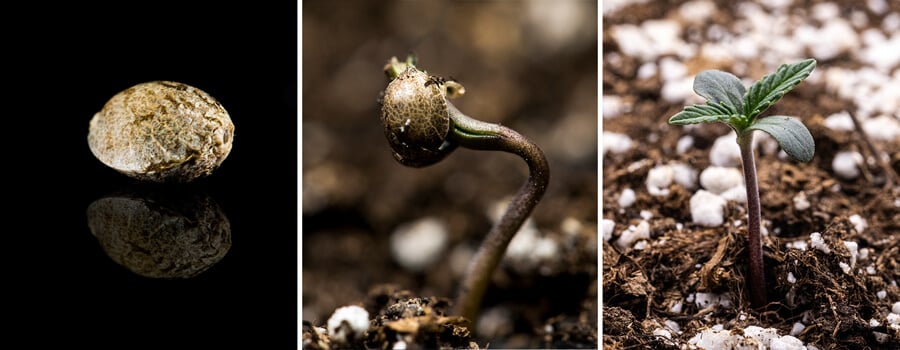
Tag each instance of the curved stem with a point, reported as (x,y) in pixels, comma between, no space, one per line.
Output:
(757,281)
(479,135)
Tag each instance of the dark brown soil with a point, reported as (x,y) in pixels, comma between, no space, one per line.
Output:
(640,287)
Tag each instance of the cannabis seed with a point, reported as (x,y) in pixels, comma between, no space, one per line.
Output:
(416,118)
(162,131)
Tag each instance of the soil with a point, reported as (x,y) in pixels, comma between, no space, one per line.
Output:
(641,287)
(525,65)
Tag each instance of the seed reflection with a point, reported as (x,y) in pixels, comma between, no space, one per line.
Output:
(169,234)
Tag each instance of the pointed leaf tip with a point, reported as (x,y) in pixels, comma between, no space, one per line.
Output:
(772,87)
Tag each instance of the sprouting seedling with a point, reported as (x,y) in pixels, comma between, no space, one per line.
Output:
(728,102)
(423,127)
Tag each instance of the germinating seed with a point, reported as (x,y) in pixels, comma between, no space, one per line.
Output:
(416,118)
(162,131)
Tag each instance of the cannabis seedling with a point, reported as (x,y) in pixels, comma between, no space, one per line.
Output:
(423,127)
(727,101)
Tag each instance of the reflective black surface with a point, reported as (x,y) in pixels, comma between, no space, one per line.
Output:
(60,284)
(158,232)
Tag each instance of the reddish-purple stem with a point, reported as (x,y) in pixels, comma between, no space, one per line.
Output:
(757,281)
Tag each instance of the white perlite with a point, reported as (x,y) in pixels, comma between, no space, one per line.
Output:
(735,194)
(896,308)
(674,326)
(697,11)
(613,106)
(859,223)
(633,234)
(720,179)
(659,332)
(817,242)
(853,247)
(845,164)
(753,338)
(571,226)
(839,121)
(894,320)
(800,201)
(707,209)
(891,22)
(882,53)
(864,254)
(528,247)
(671,69)
(608,226)
(658,180)
(844,267)
(799,245)
(650,40)
(684,144)
(841,38)
(684,175)
(611,6)
(615,143)
(627,198)
(640,245)
(825,11)
(646,71)
(874,91)
(678,91)
(725,151)
(417,245)
(877,6)
(790,278)
(703,300)
(797,328)
(347,324)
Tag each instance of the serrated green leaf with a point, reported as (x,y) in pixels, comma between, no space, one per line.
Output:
(772,87)
(721,88)
(697,114)
(793,137)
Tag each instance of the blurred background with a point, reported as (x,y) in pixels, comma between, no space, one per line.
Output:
(529,65)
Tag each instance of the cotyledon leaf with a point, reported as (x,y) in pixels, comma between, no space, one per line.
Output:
(790,133)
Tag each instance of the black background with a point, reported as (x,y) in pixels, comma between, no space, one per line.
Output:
(63,64)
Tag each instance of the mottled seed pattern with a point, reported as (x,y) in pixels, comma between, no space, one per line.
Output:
(163,132)
(416,118)
(161,237)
